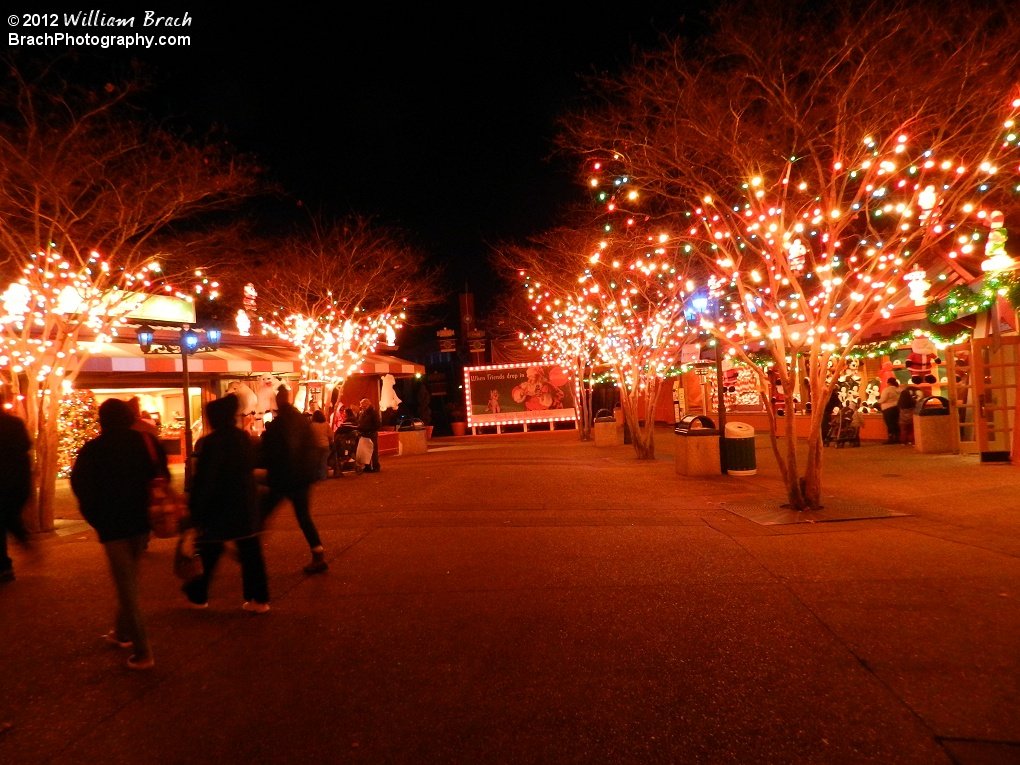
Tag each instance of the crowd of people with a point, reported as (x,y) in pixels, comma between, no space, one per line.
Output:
(112,479)
(112,475)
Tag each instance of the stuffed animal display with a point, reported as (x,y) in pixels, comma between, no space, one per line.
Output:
(265,394)
(245,396)
(871,393)
(388,398)
(923,357)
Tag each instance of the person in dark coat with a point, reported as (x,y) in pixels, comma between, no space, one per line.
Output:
(830,405)
(224,507)
(288,451)
(111,479)
(368,427)
(908,399)
(15,482)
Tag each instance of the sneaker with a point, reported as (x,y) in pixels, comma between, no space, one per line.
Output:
(111,638)
(316,567)
(192,603)
(255,607)
(358,469)
(135,663)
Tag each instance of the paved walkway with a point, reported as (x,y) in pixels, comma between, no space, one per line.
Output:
(529,598)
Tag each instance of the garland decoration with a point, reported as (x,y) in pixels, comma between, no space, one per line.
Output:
(963,301)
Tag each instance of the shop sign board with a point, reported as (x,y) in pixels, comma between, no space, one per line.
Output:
(509,394)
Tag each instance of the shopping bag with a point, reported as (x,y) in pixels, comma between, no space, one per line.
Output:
(187,564)
(166,509)
(364,455)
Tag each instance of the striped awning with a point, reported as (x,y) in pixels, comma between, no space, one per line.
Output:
(249,359)
(377,364)
(128,357)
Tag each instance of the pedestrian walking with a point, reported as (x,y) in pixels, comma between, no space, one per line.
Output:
(289,454)
(368,427)
(888,401)
(224,507)
(15,481)
(111,479)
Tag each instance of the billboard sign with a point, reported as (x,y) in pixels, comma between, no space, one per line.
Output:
(509,394)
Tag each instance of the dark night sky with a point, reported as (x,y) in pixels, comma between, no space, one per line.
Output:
(439,121)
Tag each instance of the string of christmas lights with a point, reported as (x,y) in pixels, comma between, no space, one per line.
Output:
(333,345)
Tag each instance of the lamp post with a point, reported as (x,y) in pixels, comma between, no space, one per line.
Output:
(187,344)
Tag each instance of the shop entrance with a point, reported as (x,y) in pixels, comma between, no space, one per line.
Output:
(996,361)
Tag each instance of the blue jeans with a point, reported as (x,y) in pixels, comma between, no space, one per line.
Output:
(123,555)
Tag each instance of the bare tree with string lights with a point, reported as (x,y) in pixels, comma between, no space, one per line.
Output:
(340,290)
(99,209)
(616,299)
(823,167)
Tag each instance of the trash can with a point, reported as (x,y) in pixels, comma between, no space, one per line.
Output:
(607,433)
(411,436)
(932,431)
(738,446)
(697,446)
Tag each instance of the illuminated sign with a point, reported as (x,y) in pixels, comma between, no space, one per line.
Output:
(517,394)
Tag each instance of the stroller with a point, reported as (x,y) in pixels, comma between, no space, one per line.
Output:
(345,444)
(842,429)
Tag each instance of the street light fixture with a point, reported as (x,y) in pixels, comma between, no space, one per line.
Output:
(188,343)
(145,337)
(189,340)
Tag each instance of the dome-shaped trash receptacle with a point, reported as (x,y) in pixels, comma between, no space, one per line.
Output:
(411,436)
(607,431)
(697,446)
(738,446)
(933,433)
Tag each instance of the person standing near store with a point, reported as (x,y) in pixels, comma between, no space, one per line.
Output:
(831,407)
(288,451)
(15,481)
(888,401)
(111,479)
(908,399)
(323,439)
(224,507)
(368,427)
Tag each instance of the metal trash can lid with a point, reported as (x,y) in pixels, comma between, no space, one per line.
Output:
(604,415)
(923,408)
(739,430)
(696,425)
